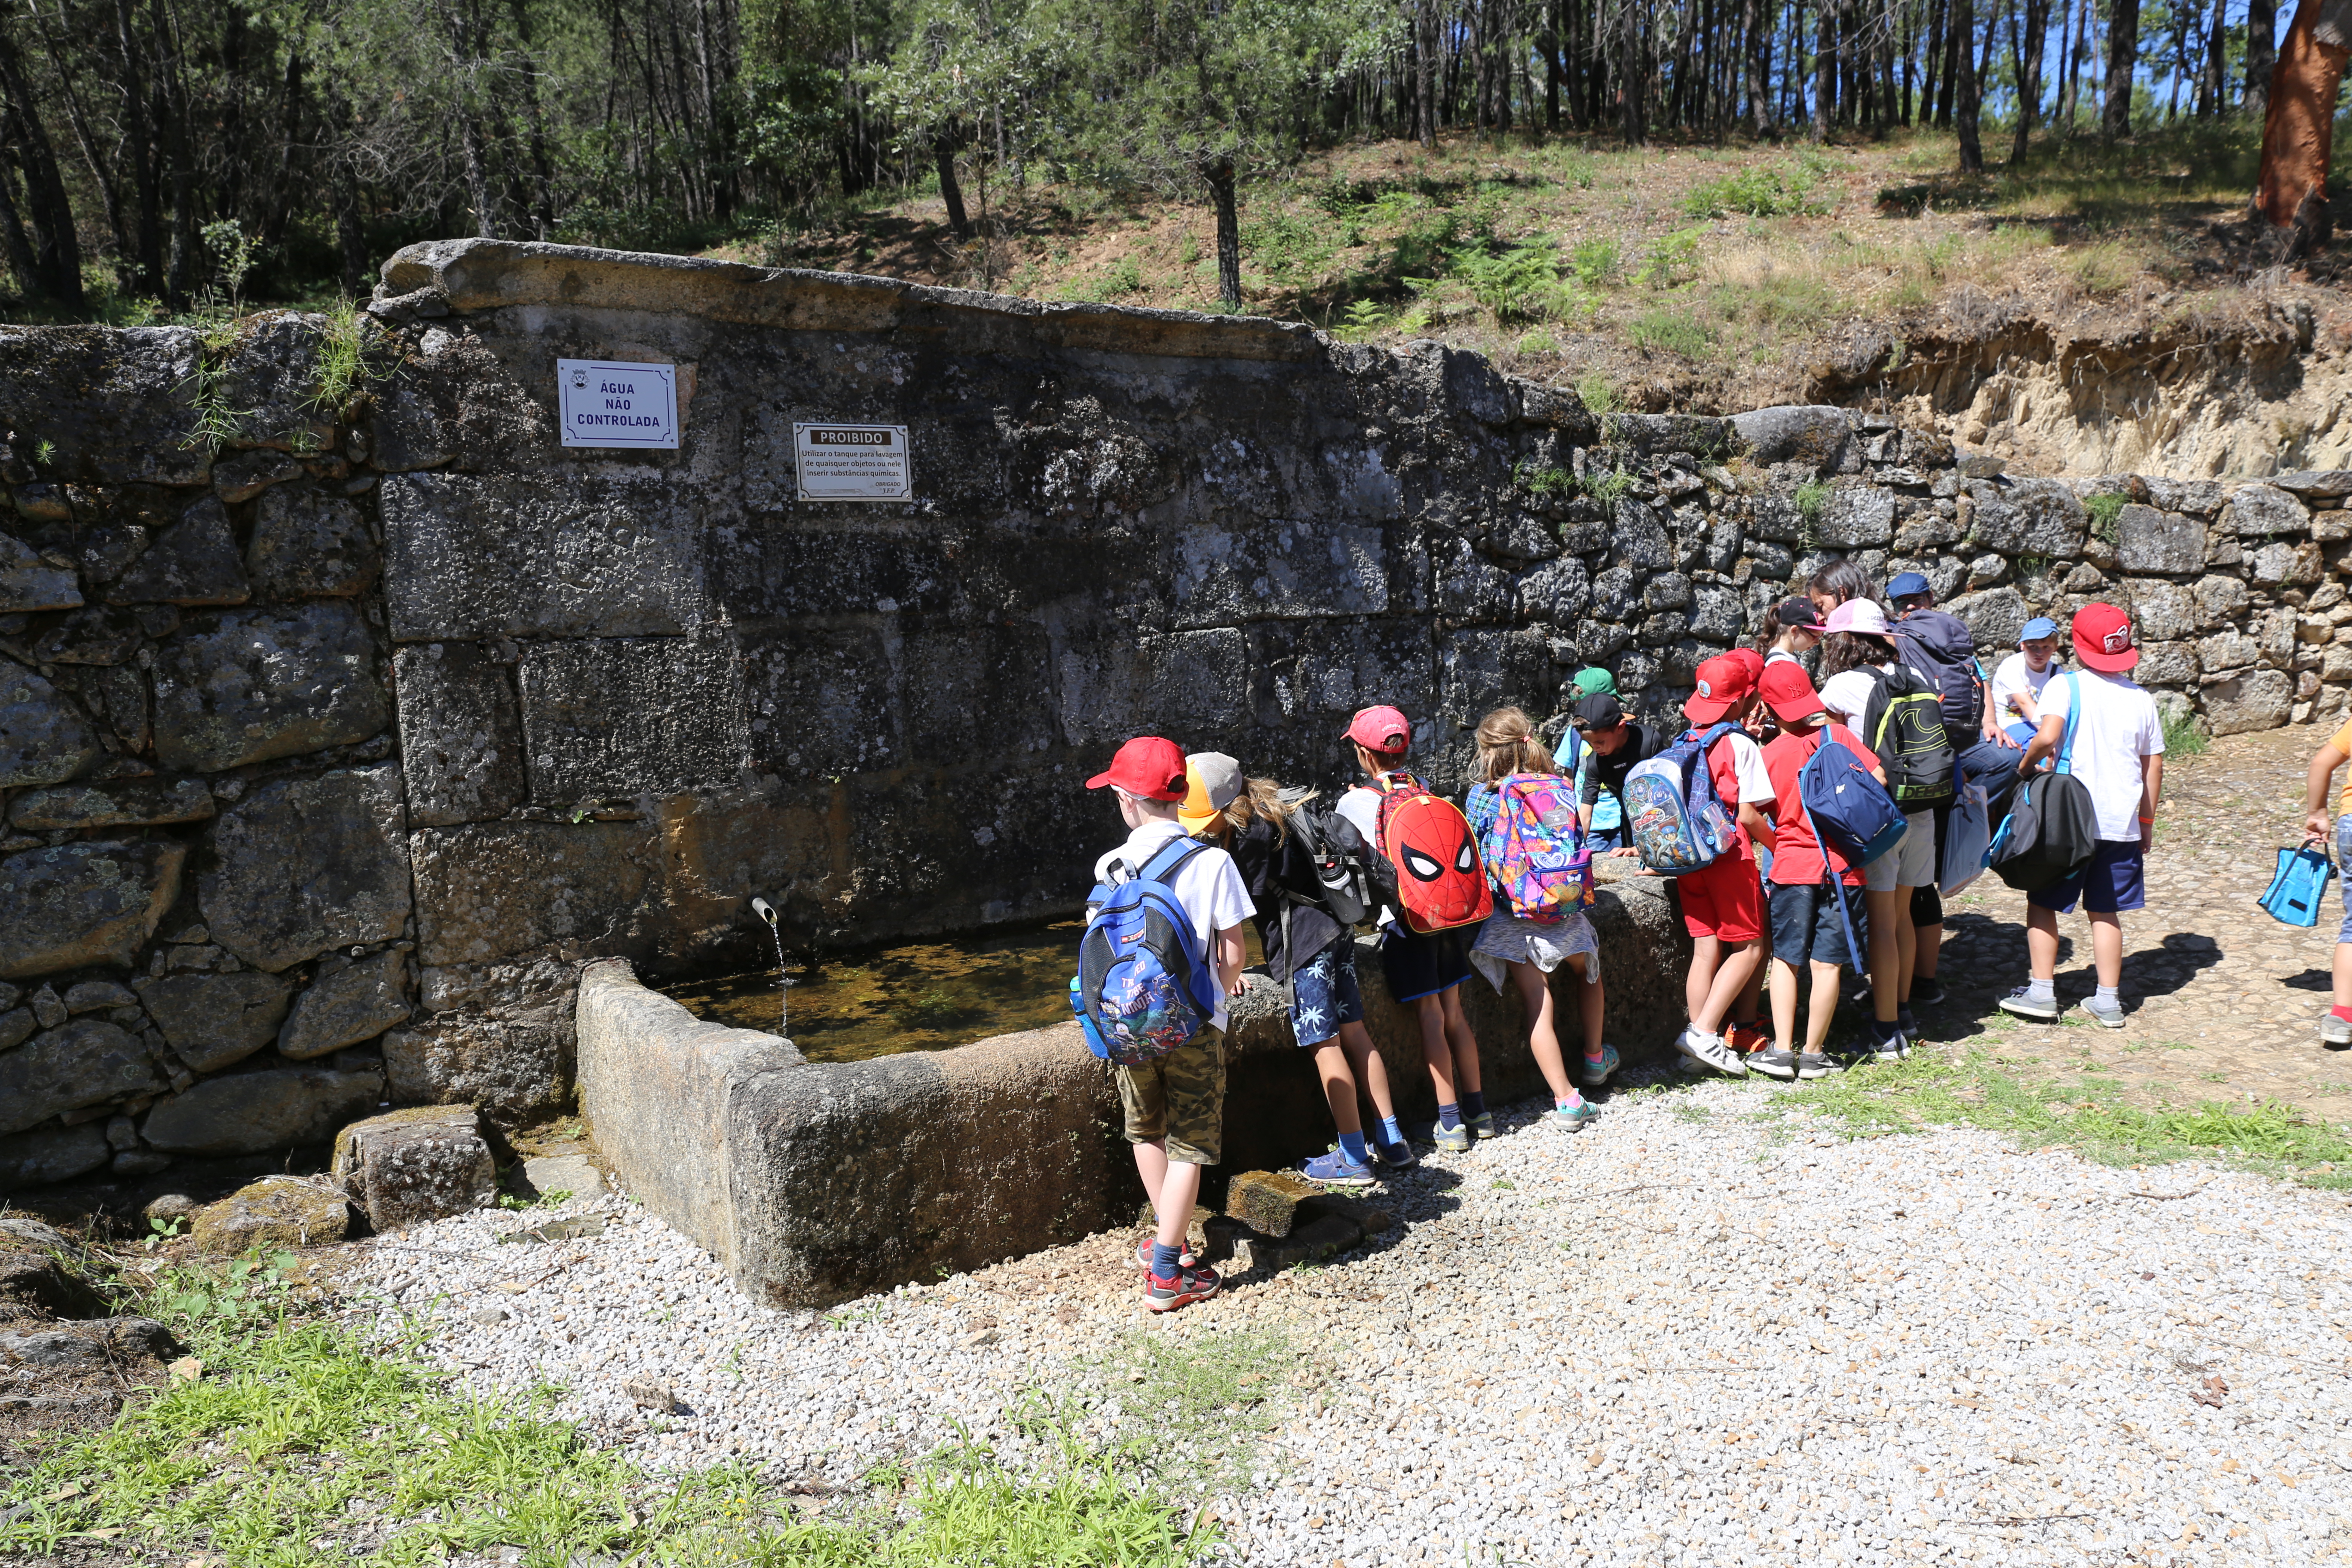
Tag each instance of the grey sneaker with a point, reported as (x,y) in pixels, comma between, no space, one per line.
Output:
(2111,1014)
(1709,1051)
(1812,1065)
(2026,1006)
(1773,1062)
(2334,1031)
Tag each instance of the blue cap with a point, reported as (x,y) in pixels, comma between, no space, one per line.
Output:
(2039,626)
(1907,584)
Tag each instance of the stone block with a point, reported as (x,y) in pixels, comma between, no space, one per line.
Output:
(1988,570)
(607,717)
(48,1008)
(1721,615)
(1278,568)
(1191,683)
(578,1175)
(271,374)
(2315,484)
(1858,516)
(578,553)
(1666,590)
(261,684)
(496,891)
(1641,542)
(1318,1239)
(43,1155)
(194,561)
(1478,670)
(425,1162)
(90,901)
(1558,592)
(112,403)
(27,582)
(86,1062)
(2164,612)
(260,1112)
(2257,511)
(2166,663)
(97,996)
(2219,600)
(1368,1218)
(2152,541)
(460,732)
(44,738)
(113,803)
(1267,1201)
(2280,563)
(1815,434)
(2231,649)
(513,1069)
(1994,617)
(1666,627)
(240,478)
(349,1000)
(1468,586)
(276,1214)
(40,1270)
(306,864)
(308,544)
(2255,700)
(1769,560)
(213,1020)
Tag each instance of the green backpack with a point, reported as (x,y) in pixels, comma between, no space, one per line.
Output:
(1904,723)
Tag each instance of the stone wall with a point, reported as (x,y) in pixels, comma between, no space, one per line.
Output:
(334,735)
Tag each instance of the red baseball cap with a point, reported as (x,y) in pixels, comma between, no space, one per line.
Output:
(2104,640)
(1382,730)
(1723,683)
(1789,691)
(1749,660)
(1147,766)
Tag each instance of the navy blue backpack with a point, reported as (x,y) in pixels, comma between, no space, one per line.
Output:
(1851,812)
(1144,985)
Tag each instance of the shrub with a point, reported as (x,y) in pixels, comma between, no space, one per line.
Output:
(1673,331)
(2104,509)
(1597,394)
(1596,262)
(1673,260)
(1292,246)
(1522,282)
(1785,191)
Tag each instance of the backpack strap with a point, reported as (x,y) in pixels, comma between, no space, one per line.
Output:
(1845,912)
(1151,870)
(2073,711)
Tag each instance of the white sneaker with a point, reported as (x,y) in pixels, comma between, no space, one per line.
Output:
(2022,1002)
(2334,1031)
(1710,1051)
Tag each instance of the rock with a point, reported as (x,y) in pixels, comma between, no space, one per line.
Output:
(1858,516)
(307,544)
(1666,590)
(271,374)
(90,995)
(303,865)
(2166,663)
(514,1068)
(101,636)
(86,1062)
(16,1025)
(1980,466)
(49,1009)
(2232,649)
(44,739)
(483,890)
(113,803)
(650,1395)
(2257,510)
(1640,542)
(213,1020)
(2152,541)
(1994,617)
(139,1162)
(348,1002)
(49,1155)
(54,1351)
(194,561)
(2315,484)
(425,1162)
(2164,612)
(1815,434)
(29,583)
(39,1276)
(112,403)
(1312,1242)
(276,1214)
(1369,1218)
(266,683)
(2280,562)
(1987,570)
(258,1112)
(1558,592)
(487,1317)
(2255,700)
(1267,1201)
(573,1227)
(578,1174)
(460,732)
(2219,600)
(606,716)
(246,475)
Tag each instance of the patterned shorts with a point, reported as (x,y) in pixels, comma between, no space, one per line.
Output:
(1325,995)
(1180,1098)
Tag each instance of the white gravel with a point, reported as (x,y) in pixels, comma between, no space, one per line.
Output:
(1675,1338)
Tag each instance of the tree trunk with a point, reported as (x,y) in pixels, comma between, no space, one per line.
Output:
(1966,97)
(2298,130)
(2123,50)
(1550,43)
(2028,49)
(1425,35)
(943,155)
(2261,53)
(57,249)
(1824,67)
(1219,175)
(2213,81)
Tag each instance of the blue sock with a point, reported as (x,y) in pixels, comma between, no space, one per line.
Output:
(1449,1117)
(1390,1131)
(1164,1260)
(1474,1103)
(1352,1144)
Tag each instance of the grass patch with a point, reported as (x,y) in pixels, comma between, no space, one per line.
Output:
(1193,1414)
(2184,734)
(2106,509)
(1782,191)
(307,1442)
(1671,331)
(1935,1089)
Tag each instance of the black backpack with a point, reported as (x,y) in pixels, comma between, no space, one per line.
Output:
(1335,856)
(1940,647)
(1904,723)
(2051,830)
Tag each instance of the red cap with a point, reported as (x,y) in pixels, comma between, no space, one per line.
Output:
(1381,730)
(1147,766)
(1723,683)
(1749,660)
(1789,691)
(2104,640)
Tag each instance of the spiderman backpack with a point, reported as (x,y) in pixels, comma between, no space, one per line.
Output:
(1441,883)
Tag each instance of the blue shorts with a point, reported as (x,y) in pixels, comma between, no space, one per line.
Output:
(1601,840)
(2019,731)
(1325,993)
(2344,858)
(2109,885)
(1424,964)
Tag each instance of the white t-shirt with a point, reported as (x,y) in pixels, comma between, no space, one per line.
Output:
(1845,696)
(1747,766)
(1210,887)
(2013,675)
(2118,726)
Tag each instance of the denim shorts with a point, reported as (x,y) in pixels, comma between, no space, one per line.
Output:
(1325,995)
(2343,859)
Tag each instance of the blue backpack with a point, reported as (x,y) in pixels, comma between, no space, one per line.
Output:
(1144,985)
(2295,891)
(1848,810)
(1672,812)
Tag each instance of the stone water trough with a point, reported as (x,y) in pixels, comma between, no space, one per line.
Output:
(817,1181)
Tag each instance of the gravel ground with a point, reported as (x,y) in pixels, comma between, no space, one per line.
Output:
(1686,1335)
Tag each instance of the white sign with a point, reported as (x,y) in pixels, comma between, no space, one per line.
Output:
(608,405)
(853,462)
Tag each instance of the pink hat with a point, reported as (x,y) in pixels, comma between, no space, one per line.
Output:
(1857,616)
(1382,730)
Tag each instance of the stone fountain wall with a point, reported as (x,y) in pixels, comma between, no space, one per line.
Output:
(333,737)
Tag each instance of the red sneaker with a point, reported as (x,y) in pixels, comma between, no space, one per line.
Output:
(1746,1039)
(1191,1283)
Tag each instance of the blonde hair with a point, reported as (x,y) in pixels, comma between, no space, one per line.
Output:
(1508,745)
(1260,798)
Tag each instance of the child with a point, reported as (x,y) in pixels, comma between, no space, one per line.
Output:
(1174,1107)
(1723,906)
(2017,684)
(1808,930)
(1307,952)
(2335,1028)
(1791,629)
(1424,972)
(1530,946)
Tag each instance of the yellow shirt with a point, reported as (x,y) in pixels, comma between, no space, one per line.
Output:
(2342,741)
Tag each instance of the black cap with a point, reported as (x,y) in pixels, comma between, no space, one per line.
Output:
(1598,711)
(1798,611)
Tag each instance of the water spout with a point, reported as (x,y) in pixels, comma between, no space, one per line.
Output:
(767,911)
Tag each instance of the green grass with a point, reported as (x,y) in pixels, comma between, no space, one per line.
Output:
(302,1431)
(2104,509)
(1672,330)
(2184,736)
(1760,193)
(1937,1090)
(1193,1413)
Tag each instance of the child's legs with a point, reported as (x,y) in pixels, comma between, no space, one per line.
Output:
(1430,1013)
(1906,944)
(1590,1005)
(1151,1166)
(1886,946)
(1534,988)
(1825,1001)
(1339,1087)
(1179,1189)
(1706,957)
(2107,948)
(2342,973)
(1784,1004)
(1371,1070)
(1730,978)
(2042,941)
(1465,1044)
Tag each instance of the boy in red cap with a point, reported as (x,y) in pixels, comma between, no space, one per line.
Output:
(1809,933)
(1174,1107)
(2106,727)
(1723,906)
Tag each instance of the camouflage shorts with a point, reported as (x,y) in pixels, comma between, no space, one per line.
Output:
(1181,1098)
